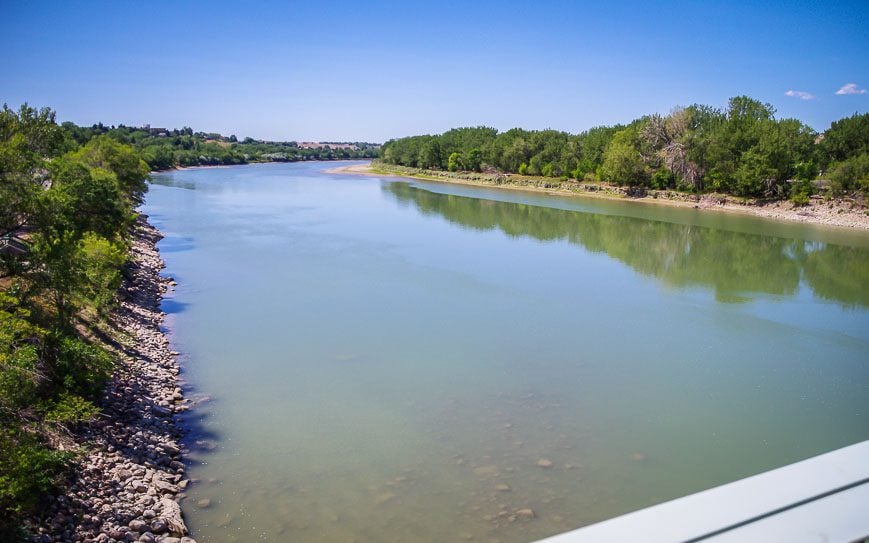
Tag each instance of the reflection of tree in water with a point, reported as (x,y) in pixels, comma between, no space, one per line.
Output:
(735,265)
(839,273)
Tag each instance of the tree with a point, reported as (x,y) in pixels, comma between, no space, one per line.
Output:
(455,162)
(851,175)
(430,155)
(622,163)
(846,138)
(667,137)
(27,138)
(129,168)
(86,200)
(474,160)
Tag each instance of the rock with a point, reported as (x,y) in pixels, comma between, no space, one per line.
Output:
(138,525)
(383,498)
(159,526)
(133,457)
(161,411)
(172,513)
(164,486)
(544,463)
(502,487)
(204,503)
(486,471)
(525,514)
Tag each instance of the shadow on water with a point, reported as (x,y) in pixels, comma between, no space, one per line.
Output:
(170,180)
(176,244)
(736,266)
(199,440)
(172,307)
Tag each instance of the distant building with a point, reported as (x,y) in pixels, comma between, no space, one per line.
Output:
(319,145)
(160,132)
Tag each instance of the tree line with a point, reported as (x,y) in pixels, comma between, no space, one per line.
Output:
(163,149)
(741,150)
(66,212)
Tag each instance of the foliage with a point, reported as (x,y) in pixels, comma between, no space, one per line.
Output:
(622,160)
(28,471)
(846,138)
(67,200)
(742,149)
(850,175)
(163,149)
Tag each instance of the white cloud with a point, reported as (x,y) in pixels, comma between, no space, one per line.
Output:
(802,95)
(850,88)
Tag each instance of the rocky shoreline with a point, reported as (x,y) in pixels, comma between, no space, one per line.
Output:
(128,484)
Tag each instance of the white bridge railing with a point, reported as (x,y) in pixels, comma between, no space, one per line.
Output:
(825,498)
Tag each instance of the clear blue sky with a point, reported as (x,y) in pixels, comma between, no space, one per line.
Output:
(375,70)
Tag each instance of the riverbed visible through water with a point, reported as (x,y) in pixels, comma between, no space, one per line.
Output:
(378,359)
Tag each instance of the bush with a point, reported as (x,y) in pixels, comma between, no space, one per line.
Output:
(800,199)
(850,175)
(28,471)
(70,409)
(80,368)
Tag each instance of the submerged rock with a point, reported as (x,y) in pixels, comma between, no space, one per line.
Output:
(525,513)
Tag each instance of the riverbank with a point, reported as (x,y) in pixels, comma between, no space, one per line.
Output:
(128,484)
(251,163)
(835,212)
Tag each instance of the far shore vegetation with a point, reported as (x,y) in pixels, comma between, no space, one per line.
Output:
(164,149)
(743,150)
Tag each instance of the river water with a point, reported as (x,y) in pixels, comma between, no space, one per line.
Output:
(378,359)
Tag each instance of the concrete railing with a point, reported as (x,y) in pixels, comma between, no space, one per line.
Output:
(825,498)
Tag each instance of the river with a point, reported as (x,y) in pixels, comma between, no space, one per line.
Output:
(378,359)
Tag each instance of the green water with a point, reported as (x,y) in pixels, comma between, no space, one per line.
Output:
(380,355)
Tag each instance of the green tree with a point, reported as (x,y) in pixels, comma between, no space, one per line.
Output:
(850,175)
(622,163)
(846,138)
(474,160)
(129,168)
(454,163)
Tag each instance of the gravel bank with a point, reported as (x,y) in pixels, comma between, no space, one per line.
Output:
(841,212)
(128,485)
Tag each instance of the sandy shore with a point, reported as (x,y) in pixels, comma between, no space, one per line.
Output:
(841,213)
(128,484)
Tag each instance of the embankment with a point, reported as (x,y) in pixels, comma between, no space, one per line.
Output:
(128,484)
(842,212)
